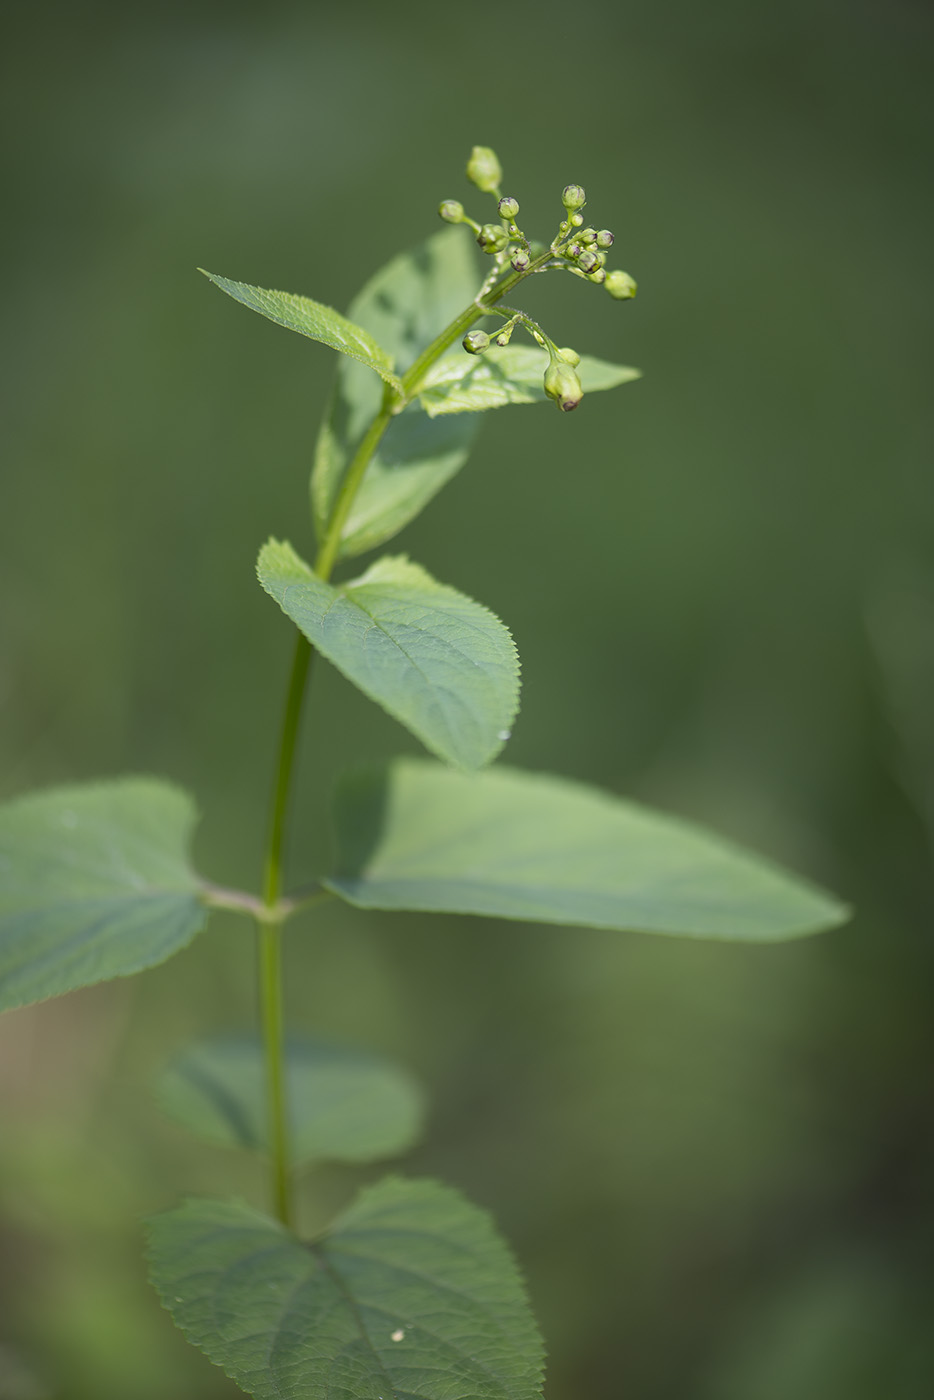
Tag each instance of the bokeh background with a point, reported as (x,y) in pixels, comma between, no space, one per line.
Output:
(714,1162)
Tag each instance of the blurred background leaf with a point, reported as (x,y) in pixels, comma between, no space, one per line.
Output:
(714,1162)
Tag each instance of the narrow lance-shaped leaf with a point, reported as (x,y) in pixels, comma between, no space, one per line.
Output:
(441,664)
(405,306)
(94,883)
(525,846)
(462,383)
(410,1295)
(345,1104)
(317,321)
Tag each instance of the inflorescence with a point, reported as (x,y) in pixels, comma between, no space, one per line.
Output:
(575,248)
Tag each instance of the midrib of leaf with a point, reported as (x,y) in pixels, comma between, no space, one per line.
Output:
(334,1275)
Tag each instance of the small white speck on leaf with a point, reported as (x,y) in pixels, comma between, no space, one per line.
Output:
(504,734)
(397,1335)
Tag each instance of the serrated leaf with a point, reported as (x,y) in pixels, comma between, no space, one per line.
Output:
(346,1105)
(410,1295)
(407,304)
(94,883)
(462,383)
(314,319)
(525,846)
(440,663)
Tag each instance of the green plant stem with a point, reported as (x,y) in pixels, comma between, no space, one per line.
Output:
(270,920)
(269,941)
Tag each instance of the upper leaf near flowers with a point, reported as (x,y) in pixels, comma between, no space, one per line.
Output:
(461,383)
(405,306)
(317,321)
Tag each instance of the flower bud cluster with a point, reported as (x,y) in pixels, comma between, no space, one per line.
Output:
(583,250)
(577,248)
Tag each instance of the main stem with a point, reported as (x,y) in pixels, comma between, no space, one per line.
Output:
(269,930)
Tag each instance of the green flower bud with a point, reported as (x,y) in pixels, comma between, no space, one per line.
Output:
(573,250)
(484,170)
(570,356)
(451,211)
(508,207)
(620,285)
(604,238)
(598,275)
(577,220)
(573,197)
(587,236)
(588,260)
(601,257)
(563,385)
(521,261)
(475,342)
(492,238)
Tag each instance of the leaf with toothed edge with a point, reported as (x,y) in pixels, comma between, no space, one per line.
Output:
(438,662)
(313,319)
(409,1295)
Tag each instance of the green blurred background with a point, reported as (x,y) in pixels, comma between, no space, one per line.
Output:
(714,1162)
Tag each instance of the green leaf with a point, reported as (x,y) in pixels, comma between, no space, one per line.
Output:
(315,320)
(524,846)
(346,1105)
(441,664)
(410,1295)
(405,306)
(462,383)
(94,883)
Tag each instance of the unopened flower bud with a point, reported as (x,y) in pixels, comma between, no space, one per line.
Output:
(484,170)
(577,220)
(492,238)
(475,342)
(573,197)
(451,211)
(587,236)
(569,356)
(521,261)
(563,385)
(598,275)
(588,260)
(573,250)
(601,257)
(508,207)
(604,238)
(620,285)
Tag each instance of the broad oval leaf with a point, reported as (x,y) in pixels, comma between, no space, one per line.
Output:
(440,663)
(410,1295)
(406,304)
(525,846)
(462,383)
(314,319)
(94,883)
(346,1105)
